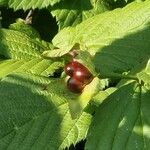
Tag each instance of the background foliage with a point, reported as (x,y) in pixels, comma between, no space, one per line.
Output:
(37,111)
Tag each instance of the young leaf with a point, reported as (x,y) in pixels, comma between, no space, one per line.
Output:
(35,118)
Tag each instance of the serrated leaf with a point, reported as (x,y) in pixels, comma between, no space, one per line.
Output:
(18,45)
(25,4)
(118,40)
(34,118)
(21,26)
(25,55)
(54,53)
(37,66)
(122,121)
(73,12)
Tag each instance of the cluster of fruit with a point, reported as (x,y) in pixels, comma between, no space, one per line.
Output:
(80,76)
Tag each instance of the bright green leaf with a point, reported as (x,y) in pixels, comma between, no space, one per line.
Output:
(54,53)
(118,40)
(35,66)
(21,26)
(25,4)
(102,95)
(25,54)
(17,45)
(89,91)
(73,12)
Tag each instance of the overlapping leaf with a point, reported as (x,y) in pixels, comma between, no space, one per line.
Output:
(35,118)
(25,4)
(35,66)
(118,40)
(24,55)
(34,109)
(38,115)
(122,122)
(20,25)
(17,45)
(72,12)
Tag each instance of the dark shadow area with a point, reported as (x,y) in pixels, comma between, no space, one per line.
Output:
(45,24)
(57,73)
(73,5)
(118,3)
(42,21)
(9,16)
(86,5)
(78,146)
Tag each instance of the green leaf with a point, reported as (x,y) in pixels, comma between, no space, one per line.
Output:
(144,75)
(21,26)
(37,66)
(102,95)
(3,2)
(18,45)
(118,40)
(81,102)
(122,121)
(89,91)
(34,118)
(73,12)
(24,55)
(54,53)
(25,4)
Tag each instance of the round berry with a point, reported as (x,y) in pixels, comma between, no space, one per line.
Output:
(75,85)
(69,69)
(83,75)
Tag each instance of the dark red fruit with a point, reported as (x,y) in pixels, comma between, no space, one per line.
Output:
(83,75)
(75,85)
(69,69)
(80,76)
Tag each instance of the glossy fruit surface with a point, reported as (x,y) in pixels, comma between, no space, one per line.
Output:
(69,69)
(80,76)
(83,75)
(75,85)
